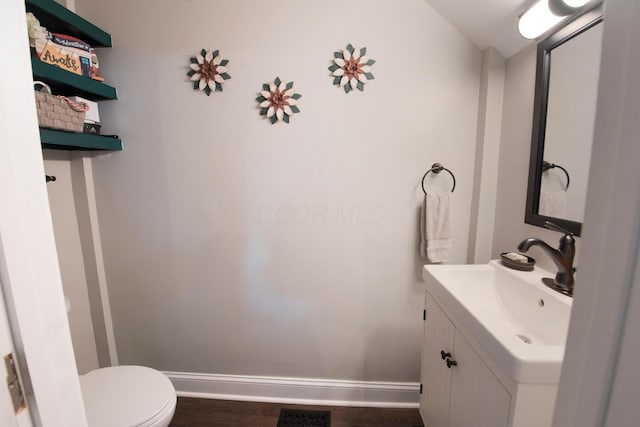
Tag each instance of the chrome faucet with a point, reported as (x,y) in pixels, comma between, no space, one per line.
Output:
(562,258)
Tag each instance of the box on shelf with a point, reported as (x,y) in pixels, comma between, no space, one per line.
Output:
(92,115)
(91,128)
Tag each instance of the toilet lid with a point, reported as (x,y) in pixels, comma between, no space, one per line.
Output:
(125,395)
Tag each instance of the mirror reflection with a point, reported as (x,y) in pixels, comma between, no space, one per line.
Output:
(571,110)
(564,117)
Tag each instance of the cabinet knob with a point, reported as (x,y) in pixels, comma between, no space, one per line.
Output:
(444,355)
(451,363)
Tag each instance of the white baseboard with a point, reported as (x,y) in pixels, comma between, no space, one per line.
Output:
(296,390)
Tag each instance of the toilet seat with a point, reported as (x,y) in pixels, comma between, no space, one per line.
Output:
(127,396)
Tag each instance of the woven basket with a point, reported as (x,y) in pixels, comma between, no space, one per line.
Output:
(57,112)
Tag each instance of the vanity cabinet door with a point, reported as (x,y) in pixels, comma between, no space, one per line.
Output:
(477,397)
(435,377)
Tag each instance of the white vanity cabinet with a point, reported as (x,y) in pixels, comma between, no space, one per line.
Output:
(463,392)
(471,391)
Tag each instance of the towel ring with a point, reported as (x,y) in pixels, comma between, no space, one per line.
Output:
(546,166)
(437,168)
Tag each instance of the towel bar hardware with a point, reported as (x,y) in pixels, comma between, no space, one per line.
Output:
(547,165)
(437,168)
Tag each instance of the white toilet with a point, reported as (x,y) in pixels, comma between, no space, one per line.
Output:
(128,396)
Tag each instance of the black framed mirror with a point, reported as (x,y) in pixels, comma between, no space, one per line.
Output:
(567,73)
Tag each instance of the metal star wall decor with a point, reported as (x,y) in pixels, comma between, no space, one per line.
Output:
(278,101)
(208,71)
(351,68)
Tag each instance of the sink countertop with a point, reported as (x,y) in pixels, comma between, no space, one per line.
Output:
(502,308)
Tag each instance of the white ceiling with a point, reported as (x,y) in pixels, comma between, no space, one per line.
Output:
(486,22)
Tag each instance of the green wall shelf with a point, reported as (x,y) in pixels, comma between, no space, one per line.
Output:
(63,82)
(59,140)
(58,19)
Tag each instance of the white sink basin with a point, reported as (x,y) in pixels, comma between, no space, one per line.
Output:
(520,322)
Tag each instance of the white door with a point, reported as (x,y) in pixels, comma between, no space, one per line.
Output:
(28,261)
(8,417)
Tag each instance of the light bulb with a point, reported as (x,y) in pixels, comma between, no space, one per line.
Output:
(537,19)
(566,7)
(575,3)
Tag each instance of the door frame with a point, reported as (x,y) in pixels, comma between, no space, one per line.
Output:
(28,260)
(608,278)
(8,415)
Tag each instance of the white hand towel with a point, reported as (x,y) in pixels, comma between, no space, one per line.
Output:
(436,243)
(553,203)
(553,195)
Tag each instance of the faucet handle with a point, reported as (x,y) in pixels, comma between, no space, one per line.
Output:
(555,227)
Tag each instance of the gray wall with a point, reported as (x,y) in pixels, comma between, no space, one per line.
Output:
(70,258)
(487,157)
(233,246)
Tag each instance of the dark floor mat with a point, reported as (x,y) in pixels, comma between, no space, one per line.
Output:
(303,418)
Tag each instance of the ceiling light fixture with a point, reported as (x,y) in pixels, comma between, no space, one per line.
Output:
(575,3)
(566,7)
(538,19)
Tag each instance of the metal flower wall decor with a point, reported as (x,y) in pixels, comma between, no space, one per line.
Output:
(278,101)
(351,68)
(208,71)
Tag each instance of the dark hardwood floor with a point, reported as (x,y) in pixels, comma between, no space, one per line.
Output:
(208,413)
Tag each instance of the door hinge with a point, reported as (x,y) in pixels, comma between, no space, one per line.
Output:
(420,388)
(424,314)
(13,384)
